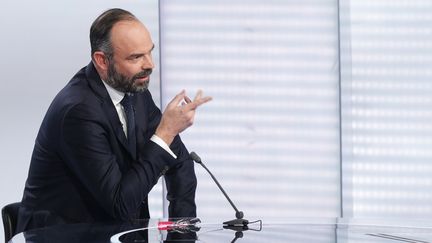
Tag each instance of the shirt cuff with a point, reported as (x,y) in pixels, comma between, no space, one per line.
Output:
(161,143)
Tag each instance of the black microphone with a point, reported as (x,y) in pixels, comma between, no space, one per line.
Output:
(239,221)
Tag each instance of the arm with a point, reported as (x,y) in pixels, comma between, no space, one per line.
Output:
(181,183)
(180,179)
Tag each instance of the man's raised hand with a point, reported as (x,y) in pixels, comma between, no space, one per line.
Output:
(179,115)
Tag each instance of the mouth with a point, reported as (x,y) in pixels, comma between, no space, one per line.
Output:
(143,78)
(142,81)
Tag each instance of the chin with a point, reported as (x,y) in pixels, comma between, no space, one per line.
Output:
(140,88)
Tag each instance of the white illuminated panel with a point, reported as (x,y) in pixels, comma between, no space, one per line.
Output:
(387,109)
(271,134)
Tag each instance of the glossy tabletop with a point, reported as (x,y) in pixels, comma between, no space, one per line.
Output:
(319,230)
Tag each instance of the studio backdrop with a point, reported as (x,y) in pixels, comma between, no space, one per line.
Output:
(321,107)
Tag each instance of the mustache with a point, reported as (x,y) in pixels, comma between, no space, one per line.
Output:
(142,74)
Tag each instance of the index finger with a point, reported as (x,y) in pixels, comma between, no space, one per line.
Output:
(197,102)
(198,95)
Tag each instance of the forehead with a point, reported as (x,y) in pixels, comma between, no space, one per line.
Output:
(129,37)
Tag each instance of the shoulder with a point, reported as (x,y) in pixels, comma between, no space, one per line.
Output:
(76,98)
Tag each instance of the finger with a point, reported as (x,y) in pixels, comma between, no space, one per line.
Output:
(187,99)
(203,100)
(198,95)
(184,101)
(177,99)
(193,105)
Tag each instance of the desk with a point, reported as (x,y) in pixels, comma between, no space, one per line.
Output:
(296,230)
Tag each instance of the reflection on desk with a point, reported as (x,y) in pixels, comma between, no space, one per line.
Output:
(299,230)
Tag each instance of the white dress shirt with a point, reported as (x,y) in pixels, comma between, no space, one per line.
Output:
(116,97)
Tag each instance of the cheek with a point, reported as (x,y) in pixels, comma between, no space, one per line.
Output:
(129,70)
(133,69)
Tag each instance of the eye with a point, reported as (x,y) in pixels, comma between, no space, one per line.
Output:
(134,58)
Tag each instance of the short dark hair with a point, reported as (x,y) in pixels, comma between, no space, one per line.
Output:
(100,30)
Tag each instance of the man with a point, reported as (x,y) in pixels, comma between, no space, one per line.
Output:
(103,143)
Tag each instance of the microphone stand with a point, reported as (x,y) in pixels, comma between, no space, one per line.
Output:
(238,235)
(231,224)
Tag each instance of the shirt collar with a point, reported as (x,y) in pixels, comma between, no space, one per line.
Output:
(115,95)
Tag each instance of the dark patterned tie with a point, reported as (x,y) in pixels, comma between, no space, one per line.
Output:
(130,120)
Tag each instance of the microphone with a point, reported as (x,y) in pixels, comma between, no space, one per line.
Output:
(239,221)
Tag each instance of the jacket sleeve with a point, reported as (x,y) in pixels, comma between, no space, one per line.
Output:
(180,178)
(181,183)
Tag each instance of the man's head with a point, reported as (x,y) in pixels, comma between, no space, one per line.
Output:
(121,50)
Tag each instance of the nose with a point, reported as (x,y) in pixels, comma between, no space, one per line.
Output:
(147,62)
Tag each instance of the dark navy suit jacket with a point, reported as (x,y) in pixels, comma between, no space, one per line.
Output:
(81,169)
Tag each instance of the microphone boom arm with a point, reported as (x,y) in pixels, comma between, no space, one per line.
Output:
(239,221)
(239,214)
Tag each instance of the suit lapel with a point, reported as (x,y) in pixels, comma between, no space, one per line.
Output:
(108,107)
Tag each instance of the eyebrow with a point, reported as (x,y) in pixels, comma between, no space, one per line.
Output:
(141,54)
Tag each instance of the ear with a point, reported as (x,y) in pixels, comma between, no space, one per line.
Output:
(100,60)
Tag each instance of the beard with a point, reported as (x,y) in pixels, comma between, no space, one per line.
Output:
(126,84)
